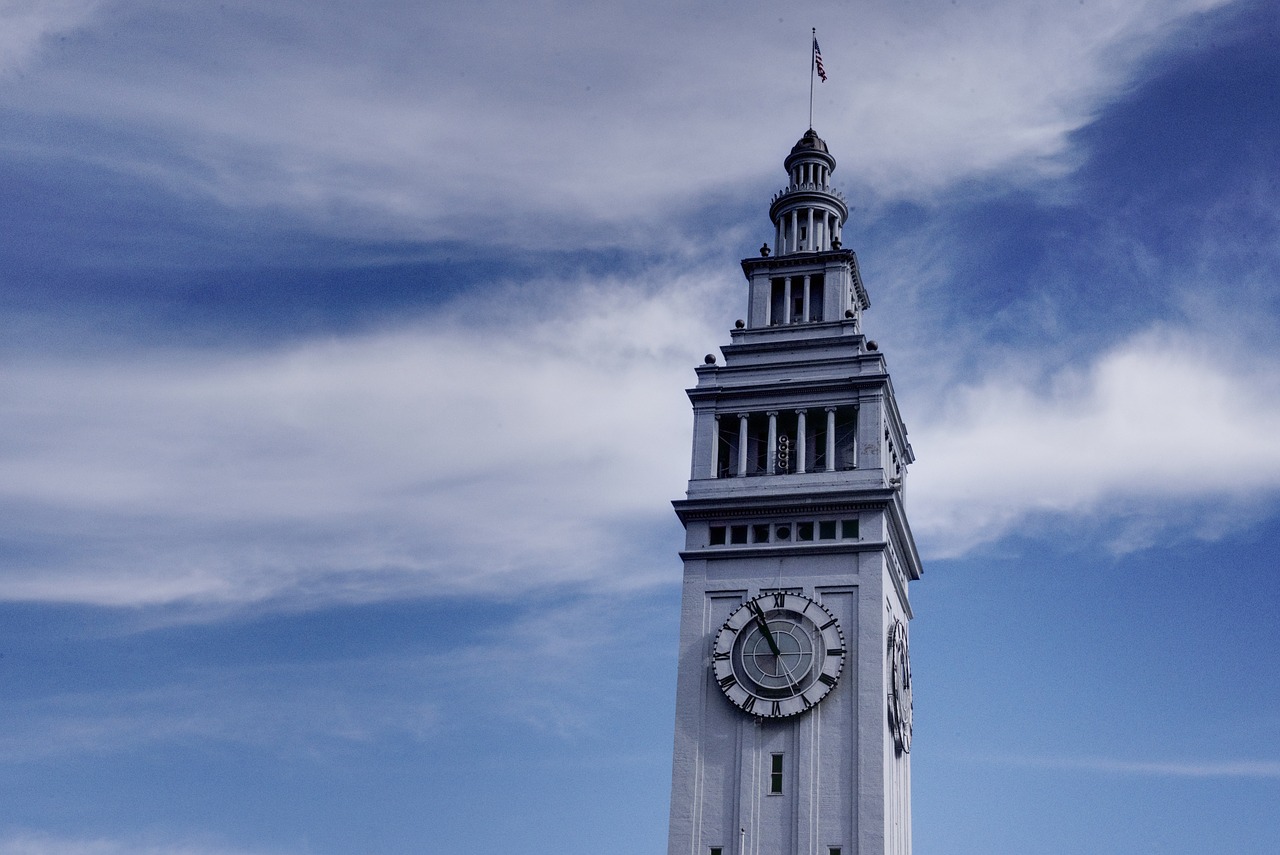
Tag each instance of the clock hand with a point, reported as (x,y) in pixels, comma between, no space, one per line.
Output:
(764,625)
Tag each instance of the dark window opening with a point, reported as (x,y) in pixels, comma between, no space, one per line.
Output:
(760,533)
(727,453)
(738,534)
(804,531)
(849,528)
(717,535)
(846,438)
(782,532)
(775,775)
(817,285)
(777,300)
(827,530)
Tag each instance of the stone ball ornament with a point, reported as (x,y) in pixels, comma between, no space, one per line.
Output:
(778,655)
(900,705)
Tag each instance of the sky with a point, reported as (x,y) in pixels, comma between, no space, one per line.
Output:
(343,351)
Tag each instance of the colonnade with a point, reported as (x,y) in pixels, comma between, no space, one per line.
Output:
(787,236)
(772,443)
(810,303)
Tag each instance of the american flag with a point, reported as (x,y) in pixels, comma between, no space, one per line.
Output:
(817,60)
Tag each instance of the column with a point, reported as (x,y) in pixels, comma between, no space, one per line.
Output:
(795,230)
(856,426)
(742,444)
(771,457)
(715,448)
(811,243)
(800,443)
(831,438)
(786,300)
(804,311)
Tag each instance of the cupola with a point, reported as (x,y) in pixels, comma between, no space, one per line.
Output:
(808,215)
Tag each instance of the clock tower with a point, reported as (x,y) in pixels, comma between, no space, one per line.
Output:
(793,701)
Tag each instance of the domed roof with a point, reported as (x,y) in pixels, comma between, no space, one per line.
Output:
(810,142)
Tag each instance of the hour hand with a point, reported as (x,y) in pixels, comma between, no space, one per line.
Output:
(764,626)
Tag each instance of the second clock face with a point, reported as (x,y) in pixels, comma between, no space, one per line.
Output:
(778,655)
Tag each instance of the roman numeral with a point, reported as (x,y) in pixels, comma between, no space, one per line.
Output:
(749,705)
(827,678)
(777,709)
(779,600)
(720,656)
(727,681)
(828,624)
(831,651)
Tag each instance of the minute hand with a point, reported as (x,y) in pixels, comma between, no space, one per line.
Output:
(764,625)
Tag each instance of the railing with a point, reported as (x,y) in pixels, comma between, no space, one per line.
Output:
(808,187)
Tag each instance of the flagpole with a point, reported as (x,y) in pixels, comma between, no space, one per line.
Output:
(812,64)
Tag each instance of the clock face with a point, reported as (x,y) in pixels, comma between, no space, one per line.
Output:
(900,709)
(778,655)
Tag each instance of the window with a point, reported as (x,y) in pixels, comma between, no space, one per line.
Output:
(775,775)
(719,850)
(763,534)
(817,285)
(833,850)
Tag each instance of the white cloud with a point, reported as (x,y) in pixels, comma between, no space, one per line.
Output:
(1170,418)
(521,122)
(36,843)
(469,453)
(1160,768)
(505,447)
(27,25)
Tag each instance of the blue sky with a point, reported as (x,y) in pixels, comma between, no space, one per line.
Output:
(342,404)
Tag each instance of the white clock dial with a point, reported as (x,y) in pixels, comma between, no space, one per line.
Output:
(778,655)
(900,704)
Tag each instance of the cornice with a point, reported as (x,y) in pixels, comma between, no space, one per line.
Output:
(744,507)
(799,259)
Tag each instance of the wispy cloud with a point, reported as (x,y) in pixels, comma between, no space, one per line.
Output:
(509,123)
(36,843)
(1159,768)
(1168,416)
(27,25)
(456,455)
(544,665)
(467,456)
